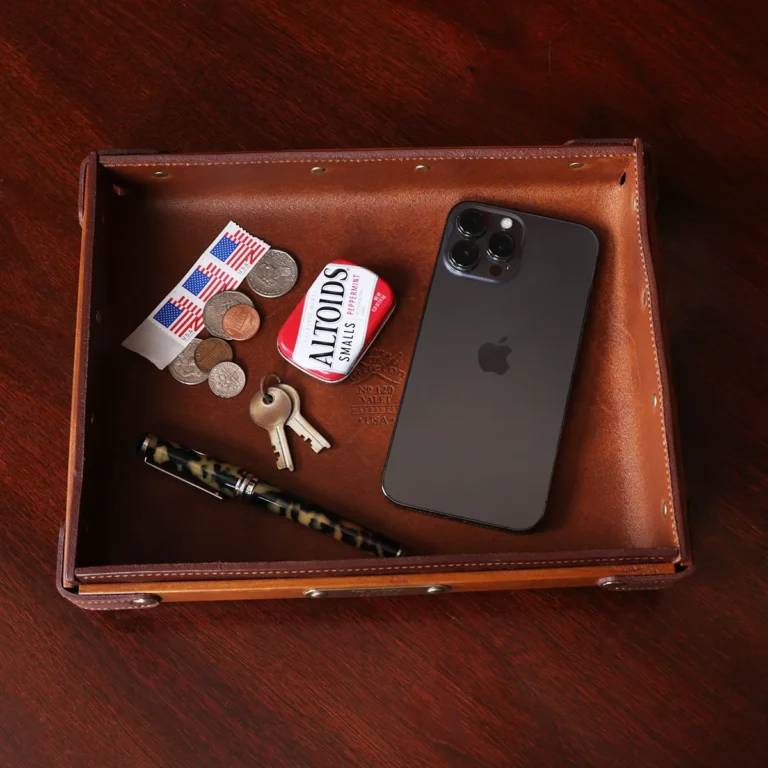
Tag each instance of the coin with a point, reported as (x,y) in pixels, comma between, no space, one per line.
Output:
(211,352)
(183,367)
(274,274)
(217,305)
(241,322)
(226,379)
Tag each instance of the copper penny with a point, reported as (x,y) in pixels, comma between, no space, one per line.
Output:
(241,322)
(211,352)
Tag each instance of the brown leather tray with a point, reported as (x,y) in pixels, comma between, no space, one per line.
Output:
(133,536)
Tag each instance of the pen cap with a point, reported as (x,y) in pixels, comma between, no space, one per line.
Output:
(190,465)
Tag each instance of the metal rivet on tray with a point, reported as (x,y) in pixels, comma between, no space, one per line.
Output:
(318,169)
(645,298)
(655,400)
(97,316)
(437,589)
(315,593)
(422,167)
(144,601)
(664,508)
(159,174)
(576,165)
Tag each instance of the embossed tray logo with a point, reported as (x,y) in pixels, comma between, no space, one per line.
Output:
(378,379)
(381,364)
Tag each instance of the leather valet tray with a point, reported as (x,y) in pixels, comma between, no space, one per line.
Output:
(134,537)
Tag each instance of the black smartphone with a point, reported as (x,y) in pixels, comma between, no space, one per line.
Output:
(480,419)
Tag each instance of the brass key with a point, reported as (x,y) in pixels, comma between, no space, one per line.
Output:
(300,425)
(271,411)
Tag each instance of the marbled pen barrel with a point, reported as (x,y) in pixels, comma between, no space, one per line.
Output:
(230,480)
(311,516)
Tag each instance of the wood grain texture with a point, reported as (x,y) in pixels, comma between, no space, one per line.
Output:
(544,678)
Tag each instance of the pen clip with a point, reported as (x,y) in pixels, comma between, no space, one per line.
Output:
(199,486)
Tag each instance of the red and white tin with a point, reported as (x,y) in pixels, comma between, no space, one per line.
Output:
(336,321)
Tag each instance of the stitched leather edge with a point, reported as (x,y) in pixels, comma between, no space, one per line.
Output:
(98,602)
(655,340)
(650,237)
(318,158)
(598,142)
(498,564)
(80,365)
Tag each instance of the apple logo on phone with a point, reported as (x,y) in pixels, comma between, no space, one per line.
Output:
(493,357)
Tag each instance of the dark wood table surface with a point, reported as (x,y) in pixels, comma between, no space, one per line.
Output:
(543,678)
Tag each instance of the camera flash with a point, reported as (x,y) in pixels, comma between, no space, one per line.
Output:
(506,223)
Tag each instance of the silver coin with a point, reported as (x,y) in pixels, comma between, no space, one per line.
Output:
(274,274)
(183,367)
(217,305)
(226,379)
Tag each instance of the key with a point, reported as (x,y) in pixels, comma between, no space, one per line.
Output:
(300,425)
(272,416)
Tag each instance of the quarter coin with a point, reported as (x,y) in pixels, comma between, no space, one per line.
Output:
(211,352)
(274,274)
(183,367)
(241,322)
(226,379)
(217,305)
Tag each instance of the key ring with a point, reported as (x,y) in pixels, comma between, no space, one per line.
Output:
(266,397)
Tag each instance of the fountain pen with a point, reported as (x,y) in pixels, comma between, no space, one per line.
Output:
(221,479)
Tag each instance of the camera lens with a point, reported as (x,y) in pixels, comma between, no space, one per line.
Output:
(471,223)
(464,256)
(501,247)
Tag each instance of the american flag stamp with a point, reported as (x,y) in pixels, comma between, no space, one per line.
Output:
(181,316)
(178,318)
(207,279)
(238,250)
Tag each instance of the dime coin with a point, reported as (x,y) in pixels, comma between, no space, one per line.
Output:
(211,352)
(274,274)
(241,322)
(226,379)
(217,305)
(183,367)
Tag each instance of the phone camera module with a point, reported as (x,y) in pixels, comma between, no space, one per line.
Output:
(464,256)
(501,247)
(471,223)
